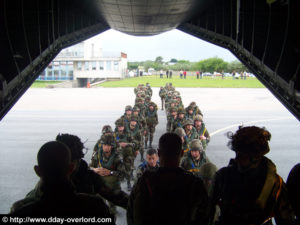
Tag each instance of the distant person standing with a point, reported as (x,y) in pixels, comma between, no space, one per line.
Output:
(170,74)
(161,73)
(181,74)
(201,74)
(167,73)
(198,74)
(184,74)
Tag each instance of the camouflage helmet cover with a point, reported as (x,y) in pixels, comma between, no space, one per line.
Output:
(180,110)
(134,118)
(188,122)
(196,145)
(108,140)
(135,109)
(180,132)
(198,117)
(107,129)
(173,109)
(128,108)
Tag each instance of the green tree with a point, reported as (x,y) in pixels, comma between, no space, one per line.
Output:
(173,61)
(159,60)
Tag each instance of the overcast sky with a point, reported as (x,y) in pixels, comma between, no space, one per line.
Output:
(172,44)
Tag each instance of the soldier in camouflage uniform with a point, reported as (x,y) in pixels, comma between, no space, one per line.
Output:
(168,98)
(248,190)
(147,101)
(169,195)
(178,122)
(202,131)
(142,123)
(135,134)
(190,114)
(179,103)
(152,121)
(196,109)
(190,130)
(126,149)
(162,94)
(181,133)
(195,158)
(127,115)
(106,130)
(107,163)
(148,90)
(171,118)
(151,163)
(140,102)
(207,173)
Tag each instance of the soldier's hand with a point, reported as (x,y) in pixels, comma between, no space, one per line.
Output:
(103,171)
(136,153)
(202,137)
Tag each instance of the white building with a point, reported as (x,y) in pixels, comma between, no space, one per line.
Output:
(86,61)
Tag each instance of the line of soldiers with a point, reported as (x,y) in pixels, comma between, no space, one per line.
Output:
(115,152)
(188,124)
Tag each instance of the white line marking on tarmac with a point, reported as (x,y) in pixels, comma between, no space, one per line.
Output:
(249,122)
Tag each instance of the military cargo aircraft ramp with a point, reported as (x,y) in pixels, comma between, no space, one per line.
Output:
(262,34)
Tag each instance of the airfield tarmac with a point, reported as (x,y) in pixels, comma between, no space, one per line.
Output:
(43,113)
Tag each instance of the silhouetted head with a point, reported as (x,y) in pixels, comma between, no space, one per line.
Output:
(74,143)
(250,145)
(170,148)
(54,161)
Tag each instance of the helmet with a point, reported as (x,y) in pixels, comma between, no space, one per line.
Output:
(193,104)
(198,117)
(148,97)
(152,104)
(107,129)
(134,118)
(120,123)
(128,108)
(173,109)
(188,122)
(180,132)
(196,145)
(180,110)
(208,171)
(74,143)
(135,109)
(190,108)
(250,139)
(108,140)
(143,95)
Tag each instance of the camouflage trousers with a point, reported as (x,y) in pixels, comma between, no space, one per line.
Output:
(150,133)
(162,103)
(128,160)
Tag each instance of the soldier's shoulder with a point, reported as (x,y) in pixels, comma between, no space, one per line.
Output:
(18,205)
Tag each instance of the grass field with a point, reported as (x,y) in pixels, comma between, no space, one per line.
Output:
(43,84)
(189,82)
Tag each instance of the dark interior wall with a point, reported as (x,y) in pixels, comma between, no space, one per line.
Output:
(32,33)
